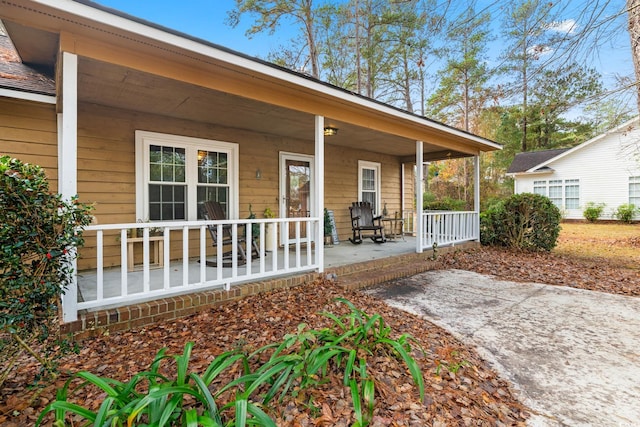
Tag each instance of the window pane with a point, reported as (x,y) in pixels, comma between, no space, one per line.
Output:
(179,211)
(155,154)
(368,179)
(154,193)
(154,211)
(167,173)
(555,194)
(179,174)
(217,194)
(634,190)
(155,173)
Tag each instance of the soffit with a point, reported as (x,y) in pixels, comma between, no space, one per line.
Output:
(120,87)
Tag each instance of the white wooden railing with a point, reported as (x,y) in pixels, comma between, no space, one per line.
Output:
(181,271)
(448,228)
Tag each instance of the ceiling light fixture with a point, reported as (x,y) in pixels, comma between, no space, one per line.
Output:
(330,131)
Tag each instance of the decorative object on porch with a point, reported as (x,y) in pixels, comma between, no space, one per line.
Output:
(139,232)
(157,254)
(362,219)
(327,229)
(255,228)
(394,226)
(330,131)
(270,232)
(212,210)
(332,223)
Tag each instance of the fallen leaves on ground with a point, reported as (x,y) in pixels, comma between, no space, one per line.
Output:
(474,395)
(594,274)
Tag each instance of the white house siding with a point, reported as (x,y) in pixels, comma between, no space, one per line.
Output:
(603,166)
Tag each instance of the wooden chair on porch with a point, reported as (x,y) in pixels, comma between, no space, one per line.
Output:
(212,210)
(362,219)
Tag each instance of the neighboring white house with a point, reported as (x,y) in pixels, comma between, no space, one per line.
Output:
(605,169)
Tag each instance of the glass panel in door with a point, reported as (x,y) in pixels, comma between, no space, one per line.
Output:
(297,193)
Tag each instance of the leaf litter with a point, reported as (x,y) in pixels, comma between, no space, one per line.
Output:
(469,395)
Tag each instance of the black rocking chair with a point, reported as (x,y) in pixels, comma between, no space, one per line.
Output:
(362,219)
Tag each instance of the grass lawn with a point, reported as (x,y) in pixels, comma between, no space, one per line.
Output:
(616,243)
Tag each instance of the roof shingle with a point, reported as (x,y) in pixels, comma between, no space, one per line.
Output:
(17,76)
(522,162)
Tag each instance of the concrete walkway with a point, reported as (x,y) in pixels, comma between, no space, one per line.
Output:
(574,355)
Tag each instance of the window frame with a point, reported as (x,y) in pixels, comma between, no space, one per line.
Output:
(540,185)
(557,185)
(568,184)
(364,164)
(144,139)
(635,199)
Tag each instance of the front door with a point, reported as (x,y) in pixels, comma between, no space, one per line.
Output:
(296,191)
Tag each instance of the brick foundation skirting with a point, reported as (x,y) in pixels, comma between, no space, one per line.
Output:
(351,276)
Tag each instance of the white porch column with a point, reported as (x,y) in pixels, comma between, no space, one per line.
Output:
(68,160)
(476,193)
(319,178)
(419,191)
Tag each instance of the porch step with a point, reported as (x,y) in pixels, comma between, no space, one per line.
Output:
(369,273)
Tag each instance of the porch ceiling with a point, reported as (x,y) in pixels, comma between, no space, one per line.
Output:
(120,87)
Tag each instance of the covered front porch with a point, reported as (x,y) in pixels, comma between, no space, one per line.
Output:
(148,125)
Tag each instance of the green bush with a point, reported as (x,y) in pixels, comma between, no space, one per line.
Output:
(626,212)
(593,211)
(300,361)
(523,221)
(38,239)
(446,204)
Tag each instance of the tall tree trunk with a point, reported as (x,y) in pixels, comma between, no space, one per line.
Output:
(633,12)
(525,88)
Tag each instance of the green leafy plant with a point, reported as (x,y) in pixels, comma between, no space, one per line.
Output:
(626,212)
(430,202)
(183,400)
(255,228)
(268,213)
(39,238)
(451,360)
(593,211)
(523,221)
(327,223)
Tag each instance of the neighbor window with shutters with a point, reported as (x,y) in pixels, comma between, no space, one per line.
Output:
(555,192)
(572,194)
(540,187)
(369,183)
(175,175)
(634,190)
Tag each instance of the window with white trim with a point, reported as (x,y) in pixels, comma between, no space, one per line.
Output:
(369,183)
(572,194)
(634,190)
(540,187)
(176,174)
(555,192)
